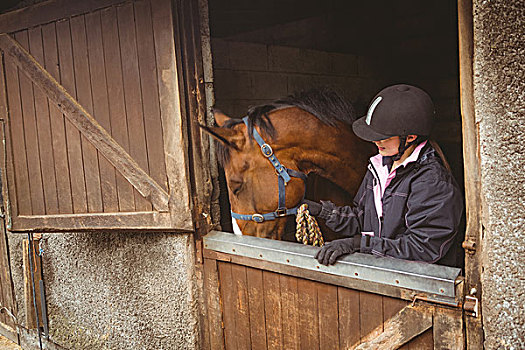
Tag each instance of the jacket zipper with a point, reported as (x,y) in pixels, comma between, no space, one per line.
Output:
(376,178)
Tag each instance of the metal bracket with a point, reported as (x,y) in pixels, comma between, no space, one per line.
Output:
(469,246)
(471,303)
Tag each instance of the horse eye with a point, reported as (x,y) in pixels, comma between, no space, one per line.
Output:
(235,185)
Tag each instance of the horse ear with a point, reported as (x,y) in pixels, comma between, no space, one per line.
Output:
(220,118)
(229,137)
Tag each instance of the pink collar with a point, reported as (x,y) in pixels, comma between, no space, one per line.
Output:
(377,160)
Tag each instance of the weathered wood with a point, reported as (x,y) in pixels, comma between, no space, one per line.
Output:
(117,105)
(48,11)
(28,287)
(424,341)
(448,329)
(256,301)
(272,310)
(398,330)
(31,136)
(7,298)
(363,285)
(83,91)
(97,69)
(172,123)
(73,140)
(471,151)
(213,310)
(93,221)
(57,122)
(45,137)
(391,307)
(20,198)
(228,304)
(328,320)
(370,314)
(308,314)
(132,94)
(348,301)
(290,312)
(242,313)
(150,93)
(88,125)
(213,305)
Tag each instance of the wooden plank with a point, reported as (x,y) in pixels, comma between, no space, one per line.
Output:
(472,167)
(228,304)
(398,330)
(57,122)
(21,199)
(424,341)
(370,313)
(348,301)
(448,329)
(31,136)
(362,285)
(213,305)
(242,309)
(132,94)
(328,316)
(28,288)
(150,93)
(97,69)
(45,137)
(84,98)
(48,11)
(90,128)
(256,299)
(172,123)
(74,145)
(290,312)
(308,315)
(117,105)
(6,283)
(272,310)
(94,221)
(391,307)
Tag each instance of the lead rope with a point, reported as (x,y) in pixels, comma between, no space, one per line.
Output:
(307,230)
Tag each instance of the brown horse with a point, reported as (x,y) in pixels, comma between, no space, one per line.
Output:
(309,133)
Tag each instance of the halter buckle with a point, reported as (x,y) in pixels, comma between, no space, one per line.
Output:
(257,218)
(267,151)
(281,212)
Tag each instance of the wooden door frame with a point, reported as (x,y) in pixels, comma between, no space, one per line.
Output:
(471,155)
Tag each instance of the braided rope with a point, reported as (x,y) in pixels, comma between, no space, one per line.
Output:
(307,230)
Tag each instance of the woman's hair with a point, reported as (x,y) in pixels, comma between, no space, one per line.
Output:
(440,153)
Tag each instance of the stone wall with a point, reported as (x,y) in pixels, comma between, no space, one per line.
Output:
(114,291)
(499,91)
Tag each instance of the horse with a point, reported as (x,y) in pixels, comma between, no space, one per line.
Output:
(306,133)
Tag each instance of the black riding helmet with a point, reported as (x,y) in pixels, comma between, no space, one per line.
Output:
(397,110)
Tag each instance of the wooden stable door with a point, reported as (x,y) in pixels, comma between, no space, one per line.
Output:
(93,124)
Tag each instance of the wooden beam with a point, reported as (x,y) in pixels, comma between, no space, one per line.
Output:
(49,11)
(87,125)
(215,328)
(28,287)
(448,329)
(93,221)
(471,156)
(408,323)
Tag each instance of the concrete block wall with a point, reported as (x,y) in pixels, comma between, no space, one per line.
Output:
(248,74)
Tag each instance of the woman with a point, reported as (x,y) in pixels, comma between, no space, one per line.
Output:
(408,205)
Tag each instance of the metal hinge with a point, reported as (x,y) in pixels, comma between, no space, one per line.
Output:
(471,303)
(469,246)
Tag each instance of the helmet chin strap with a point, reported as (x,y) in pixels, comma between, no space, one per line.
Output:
(403,146)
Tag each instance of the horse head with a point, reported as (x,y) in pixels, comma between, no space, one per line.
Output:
(253,182)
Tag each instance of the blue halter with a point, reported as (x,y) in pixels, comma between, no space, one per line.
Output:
(284,176)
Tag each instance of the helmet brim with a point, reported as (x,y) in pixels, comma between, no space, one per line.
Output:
(365,132)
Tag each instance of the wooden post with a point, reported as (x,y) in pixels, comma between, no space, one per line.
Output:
(472,244)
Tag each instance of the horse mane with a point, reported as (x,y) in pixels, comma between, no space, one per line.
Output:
(327,105)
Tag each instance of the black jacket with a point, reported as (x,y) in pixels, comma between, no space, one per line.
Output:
(422,209)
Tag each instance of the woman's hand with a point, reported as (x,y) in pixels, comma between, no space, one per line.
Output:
(329,253)
(313,207)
